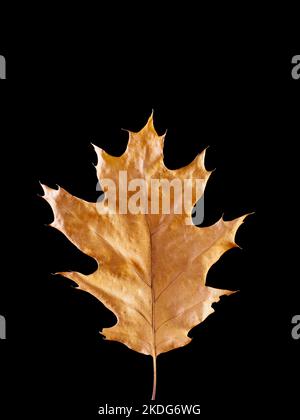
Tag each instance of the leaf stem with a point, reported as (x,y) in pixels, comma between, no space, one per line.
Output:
(154,378)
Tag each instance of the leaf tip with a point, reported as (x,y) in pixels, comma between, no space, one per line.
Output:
(149,127)
(150,122)
(44,188)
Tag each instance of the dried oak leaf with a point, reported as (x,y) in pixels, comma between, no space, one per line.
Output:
(151,267)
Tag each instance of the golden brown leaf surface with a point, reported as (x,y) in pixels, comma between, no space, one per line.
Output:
(151,268)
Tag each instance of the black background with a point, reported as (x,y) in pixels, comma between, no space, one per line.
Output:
(230,89)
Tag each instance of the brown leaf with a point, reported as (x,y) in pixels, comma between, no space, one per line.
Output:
(151,267)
